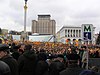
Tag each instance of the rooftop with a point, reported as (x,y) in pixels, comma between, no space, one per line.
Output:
(44,15)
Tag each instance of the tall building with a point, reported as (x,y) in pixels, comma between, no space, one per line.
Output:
(44,25)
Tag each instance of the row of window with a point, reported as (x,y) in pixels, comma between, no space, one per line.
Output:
(72,33)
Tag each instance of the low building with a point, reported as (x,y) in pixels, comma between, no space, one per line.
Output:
(73,35)
(4,31)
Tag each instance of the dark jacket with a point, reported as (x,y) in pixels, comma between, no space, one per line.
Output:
(42,65)
(12,63)
(4,68)
(27,63)
(71,70)
(42,68)
(56,67)
(15,55)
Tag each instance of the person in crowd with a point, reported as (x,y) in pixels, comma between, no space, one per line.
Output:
(57,65)
(81,51)
(4,68)
(84,57)
(20,51)
(22,48)
(15,52)
(88,72)
(96,54)
(8,59)
(91,53)
(27,61)
(73,65)
(42,65)
(0,41)
(95,68)
(50,58)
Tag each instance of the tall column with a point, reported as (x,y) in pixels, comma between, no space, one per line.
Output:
(72,32)
(25,14)
(66,32)
(75,32)
(69,33)
(24,34)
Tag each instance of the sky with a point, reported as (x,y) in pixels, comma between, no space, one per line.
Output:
(64,12)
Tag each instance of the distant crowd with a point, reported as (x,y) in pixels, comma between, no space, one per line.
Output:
(46,58)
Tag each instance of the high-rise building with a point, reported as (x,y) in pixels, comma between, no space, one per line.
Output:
(44,25)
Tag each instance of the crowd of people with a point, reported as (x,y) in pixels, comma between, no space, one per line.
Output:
(29,58)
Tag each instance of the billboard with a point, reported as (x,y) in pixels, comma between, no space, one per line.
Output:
(87,32)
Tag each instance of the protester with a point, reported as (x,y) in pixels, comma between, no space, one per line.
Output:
(16,52)
(73,67)
(57,65)
(84,58)
(88,72)
(81,51)
(42,66)
(4,68)
(8,59)
(29,51)
(27,62)
(0,41)
(95,68)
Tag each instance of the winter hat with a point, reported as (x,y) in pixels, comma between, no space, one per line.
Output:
(88,72)
(4,47)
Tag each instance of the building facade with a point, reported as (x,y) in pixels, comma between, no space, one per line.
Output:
(44,25)
(4,31)
(72,35)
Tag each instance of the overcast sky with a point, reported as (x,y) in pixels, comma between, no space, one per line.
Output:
(64,12)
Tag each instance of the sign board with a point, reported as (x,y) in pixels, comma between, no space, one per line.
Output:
(87,32)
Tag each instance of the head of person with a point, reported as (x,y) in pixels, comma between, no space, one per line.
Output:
(28,47)
(84,47)
(4,50)
(60,57)
(88,72)
(16,47)
(42,56)
(69,50)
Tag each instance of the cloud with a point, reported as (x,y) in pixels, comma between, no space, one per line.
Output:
(65,12)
